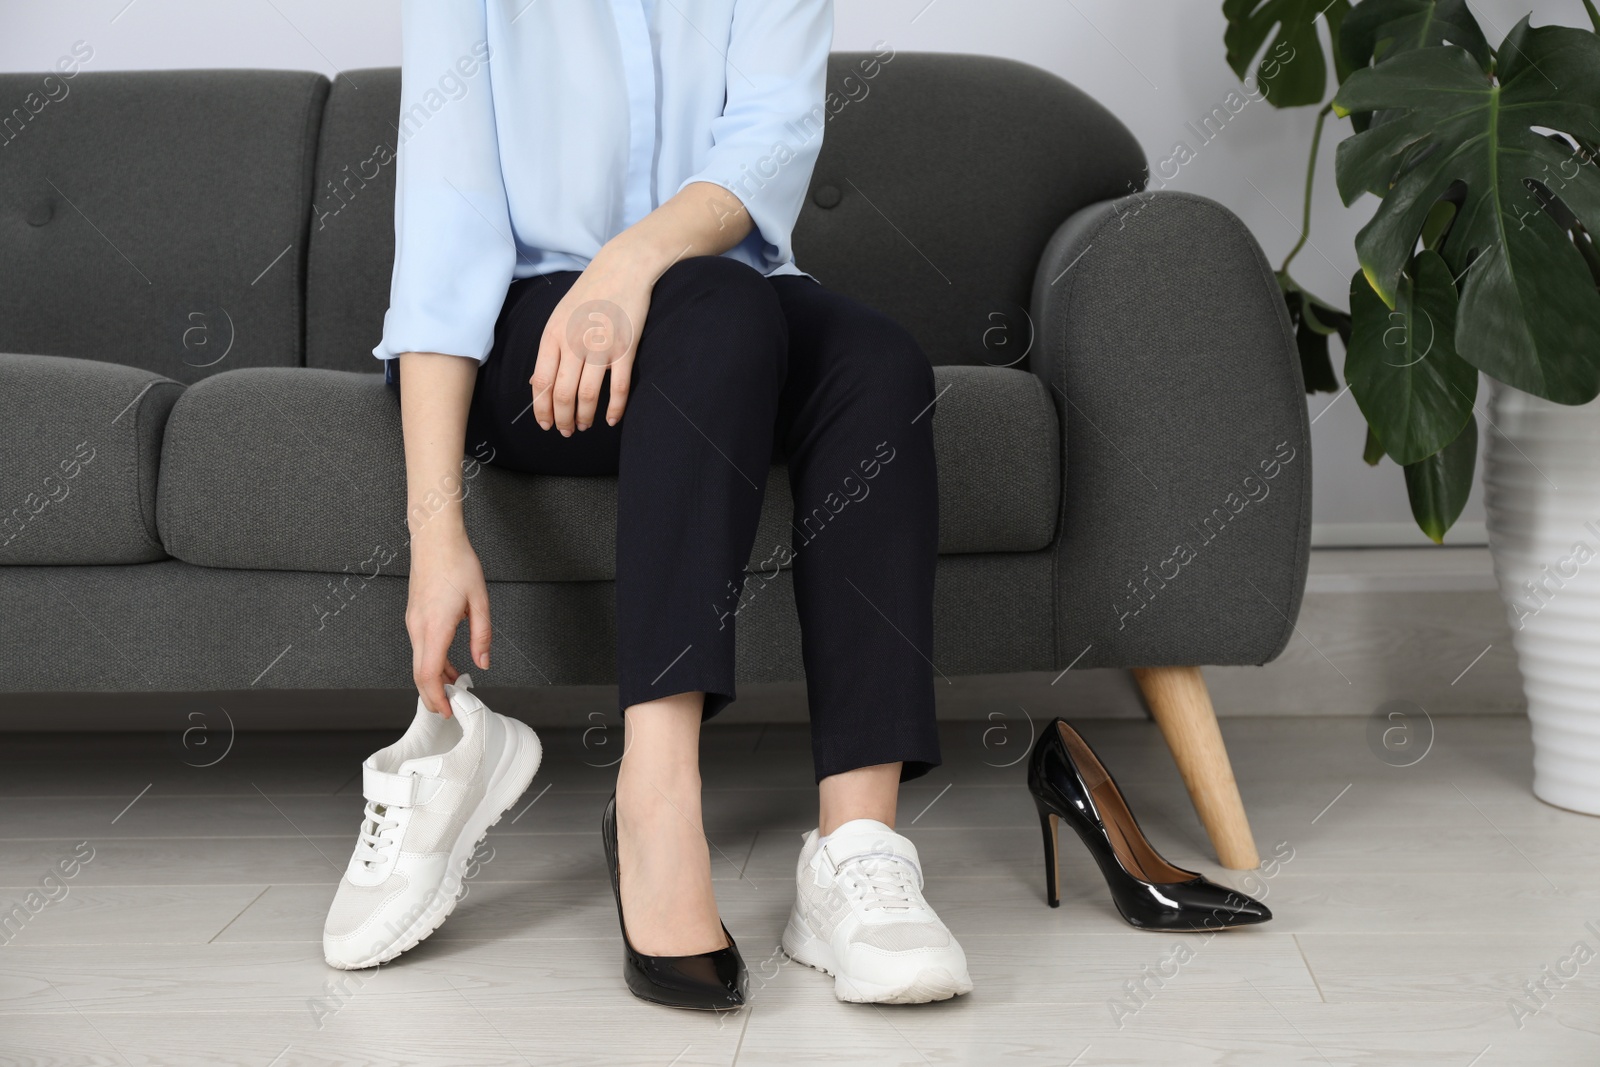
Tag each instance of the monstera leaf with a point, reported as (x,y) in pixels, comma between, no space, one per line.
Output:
(1438,486)
(1402,366)
(1529,310)
(1378,29)
(1294,70)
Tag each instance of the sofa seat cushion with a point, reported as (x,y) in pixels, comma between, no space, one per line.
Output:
(79,453)
(304,469)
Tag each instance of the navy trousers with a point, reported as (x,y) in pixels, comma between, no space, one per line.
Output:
(734,370)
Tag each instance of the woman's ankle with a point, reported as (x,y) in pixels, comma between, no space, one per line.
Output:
(646,797)
(864,793)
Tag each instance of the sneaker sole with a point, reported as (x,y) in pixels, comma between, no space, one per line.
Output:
(927,985)
(519,762)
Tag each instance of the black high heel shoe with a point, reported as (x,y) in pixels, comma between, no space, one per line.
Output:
(1068,782)
(710,981)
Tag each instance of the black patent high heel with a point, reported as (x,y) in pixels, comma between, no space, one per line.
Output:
(1068,782)
(709,981)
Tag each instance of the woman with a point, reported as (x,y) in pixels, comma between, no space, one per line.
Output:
(593,275)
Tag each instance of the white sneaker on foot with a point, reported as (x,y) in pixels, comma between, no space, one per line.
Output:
(859,915)
(431,797)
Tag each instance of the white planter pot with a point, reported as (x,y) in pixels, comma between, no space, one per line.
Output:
(1541,482)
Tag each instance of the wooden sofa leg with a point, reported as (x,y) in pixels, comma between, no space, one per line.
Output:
(1181,706)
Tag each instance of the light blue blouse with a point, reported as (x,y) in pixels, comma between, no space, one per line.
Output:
(533,131)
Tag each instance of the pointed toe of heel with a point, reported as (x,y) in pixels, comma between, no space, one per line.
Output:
(1247,912)
(1196,906)
(710,981)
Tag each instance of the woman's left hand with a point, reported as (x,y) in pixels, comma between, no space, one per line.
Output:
(593,330)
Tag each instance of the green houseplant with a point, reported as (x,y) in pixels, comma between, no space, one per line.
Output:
(1481,257)
(1482,254)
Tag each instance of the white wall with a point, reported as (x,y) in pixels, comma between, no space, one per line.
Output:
(1157,63)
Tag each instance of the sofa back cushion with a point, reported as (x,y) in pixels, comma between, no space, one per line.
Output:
(946,175)
(157,218)
(352,221)
(941,178)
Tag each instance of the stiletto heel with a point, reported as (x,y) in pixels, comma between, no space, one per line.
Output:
(1049,825)
(709,981)
(1068,782)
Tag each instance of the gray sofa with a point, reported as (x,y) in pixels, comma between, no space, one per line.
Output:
(201,478)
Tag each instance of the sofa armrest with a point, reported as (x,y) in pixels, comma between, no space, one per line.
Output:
(1184,527)
(80,443)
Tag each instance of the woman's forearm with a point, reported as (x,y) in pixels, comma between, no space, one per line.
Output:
(703,219)
(434,399)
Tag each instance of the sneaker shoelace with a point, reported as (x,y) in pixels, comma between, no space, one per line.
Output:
(884,880)
(375,837)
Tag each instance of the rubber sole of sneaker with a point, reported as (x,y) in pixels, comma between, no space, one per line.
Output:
(927,985)
(506,784)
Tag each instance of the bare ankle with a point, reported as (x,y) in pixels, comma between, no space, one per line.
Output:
(863,793)
(641,789)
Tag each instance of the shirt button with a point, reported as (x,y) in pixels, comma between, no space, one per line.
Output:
(826,196)
(40,213)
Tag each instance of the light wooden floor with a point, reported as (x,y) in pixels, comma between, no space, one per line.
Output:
(1412,906)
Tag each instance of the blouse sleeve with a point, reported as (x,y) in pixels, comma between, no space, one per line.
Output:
(453,249)
(765,143)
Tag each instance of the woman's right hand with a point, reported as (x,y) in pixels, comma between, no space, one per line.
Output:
(446,586)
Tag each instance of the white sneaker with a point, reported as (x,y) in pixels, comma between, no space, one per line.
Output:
(431,797)
(859,915)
